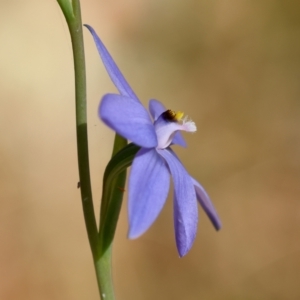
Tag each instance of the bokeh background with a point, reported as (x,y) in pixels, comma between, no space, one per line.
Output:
(234,67)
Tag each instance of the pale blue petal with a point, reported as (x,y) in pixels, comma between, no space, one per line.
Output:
(156,108)
(185,203)
(207,205)
(111,67)
(179,140)
(165,131)
(128,118)
(204,201)
(149,183)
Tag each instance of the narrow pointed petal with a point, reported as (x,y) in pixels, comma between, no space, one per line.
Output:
(207,205)
(149,183)
(128,118)
(111,67)
(156,108)
(185,204)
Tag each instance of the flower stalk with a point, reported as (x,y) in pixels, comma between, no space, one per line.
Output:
(71,10)
(100,241)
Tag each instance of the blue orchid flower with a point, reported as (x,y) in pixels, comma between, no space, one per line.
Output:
(149,179)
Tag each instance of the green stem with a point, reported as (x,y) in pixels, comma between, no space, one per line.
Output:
(100,242)
(72,13)
(104,275)
(75,28)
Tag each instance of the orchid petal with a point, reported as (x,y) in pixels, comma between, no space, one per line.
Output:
(156,108)
(179,140)
(185,204)
(111,67)
(207,205)
(149,183)
(166,129)
(128,118)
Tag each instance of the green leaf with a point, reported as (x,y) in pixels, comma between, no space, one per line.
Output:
(67,8)
(113,191)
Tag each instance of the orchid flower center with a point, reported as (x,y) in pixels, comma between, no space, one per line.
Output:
(168,123)
(172,116)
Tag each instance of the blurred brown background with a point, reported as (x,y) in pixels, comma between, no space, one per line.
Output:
(234,67)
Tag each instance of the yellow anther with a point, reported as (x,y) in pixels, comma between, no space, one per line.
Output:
(172,116)
(178,115)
